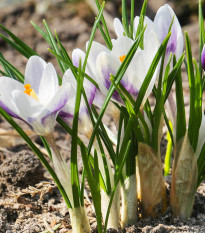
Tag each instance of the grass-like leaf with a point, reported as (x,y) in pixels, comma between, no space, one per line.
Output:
(141,23)
(12,69)
(125,18)
(94,183)
(104,24)
(54,45)
(74,144)
(17,43)
(190,70)
(198,105)
(181,117)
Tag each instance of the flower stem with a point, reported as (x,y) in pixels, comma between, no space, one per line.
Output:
(79,220)
(129,201)
(61,167)
(114,216)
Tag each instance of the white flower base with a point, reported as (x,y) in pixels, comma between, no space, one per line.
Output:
(79,220)
(129,201)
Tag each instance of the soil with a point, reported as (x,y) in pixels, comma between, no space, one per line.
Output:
(29,200)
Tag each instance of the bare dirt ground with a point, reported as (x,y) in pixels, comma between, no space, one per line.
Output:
(29,200)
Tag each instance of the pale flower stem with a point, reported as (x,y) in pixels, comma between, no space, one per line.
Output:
(79,220)
(61,168)
(129,201)
(172,108)
(114,216)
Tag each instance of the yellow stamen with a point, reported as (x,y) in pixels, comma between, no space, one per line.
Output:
(122,58)
(29,91)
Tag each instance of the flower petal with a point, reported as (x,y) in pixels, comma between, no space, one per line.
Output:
(147,22)
(119,29)
(99,98)
(106,65)
(89,88)
(121,46)
(48,84)
(95,50)
(60,99)
(78,54)
(162,22)
(27,107)
(34,70)
(7,85)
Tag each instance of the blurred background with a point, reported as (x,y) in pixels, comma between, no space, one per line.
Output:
(73,21)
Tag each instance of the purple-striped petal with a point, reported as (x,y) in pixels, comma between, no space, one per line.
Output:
(162,22)
(106,65)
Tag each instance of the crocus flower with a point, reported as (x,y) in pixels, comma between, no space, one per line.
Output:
(90,90)
(160,25)
(107,62)
(38,100)
(203,58)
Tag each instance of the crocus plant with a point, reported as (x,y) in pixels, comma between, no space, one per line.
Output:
(144,59)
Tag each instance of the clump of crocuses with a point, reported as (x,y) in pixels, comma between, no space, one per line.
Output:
(117,78)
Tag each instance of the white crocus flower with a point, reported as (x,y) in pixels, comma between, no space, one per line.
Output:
(160,25)
(38,100)
(108,62)
(90,90)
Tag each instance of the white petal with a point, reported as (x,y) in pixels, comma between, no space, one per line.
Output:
(28,108)
(89,88)
(34,70)
(78,54)
(95,50)
(99,98)
(121,46)
(136,23)
(48,85)
(7,85)
(180,44)
(68,77)
(59,100)
(119,29)
(151,46)
(147,22)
